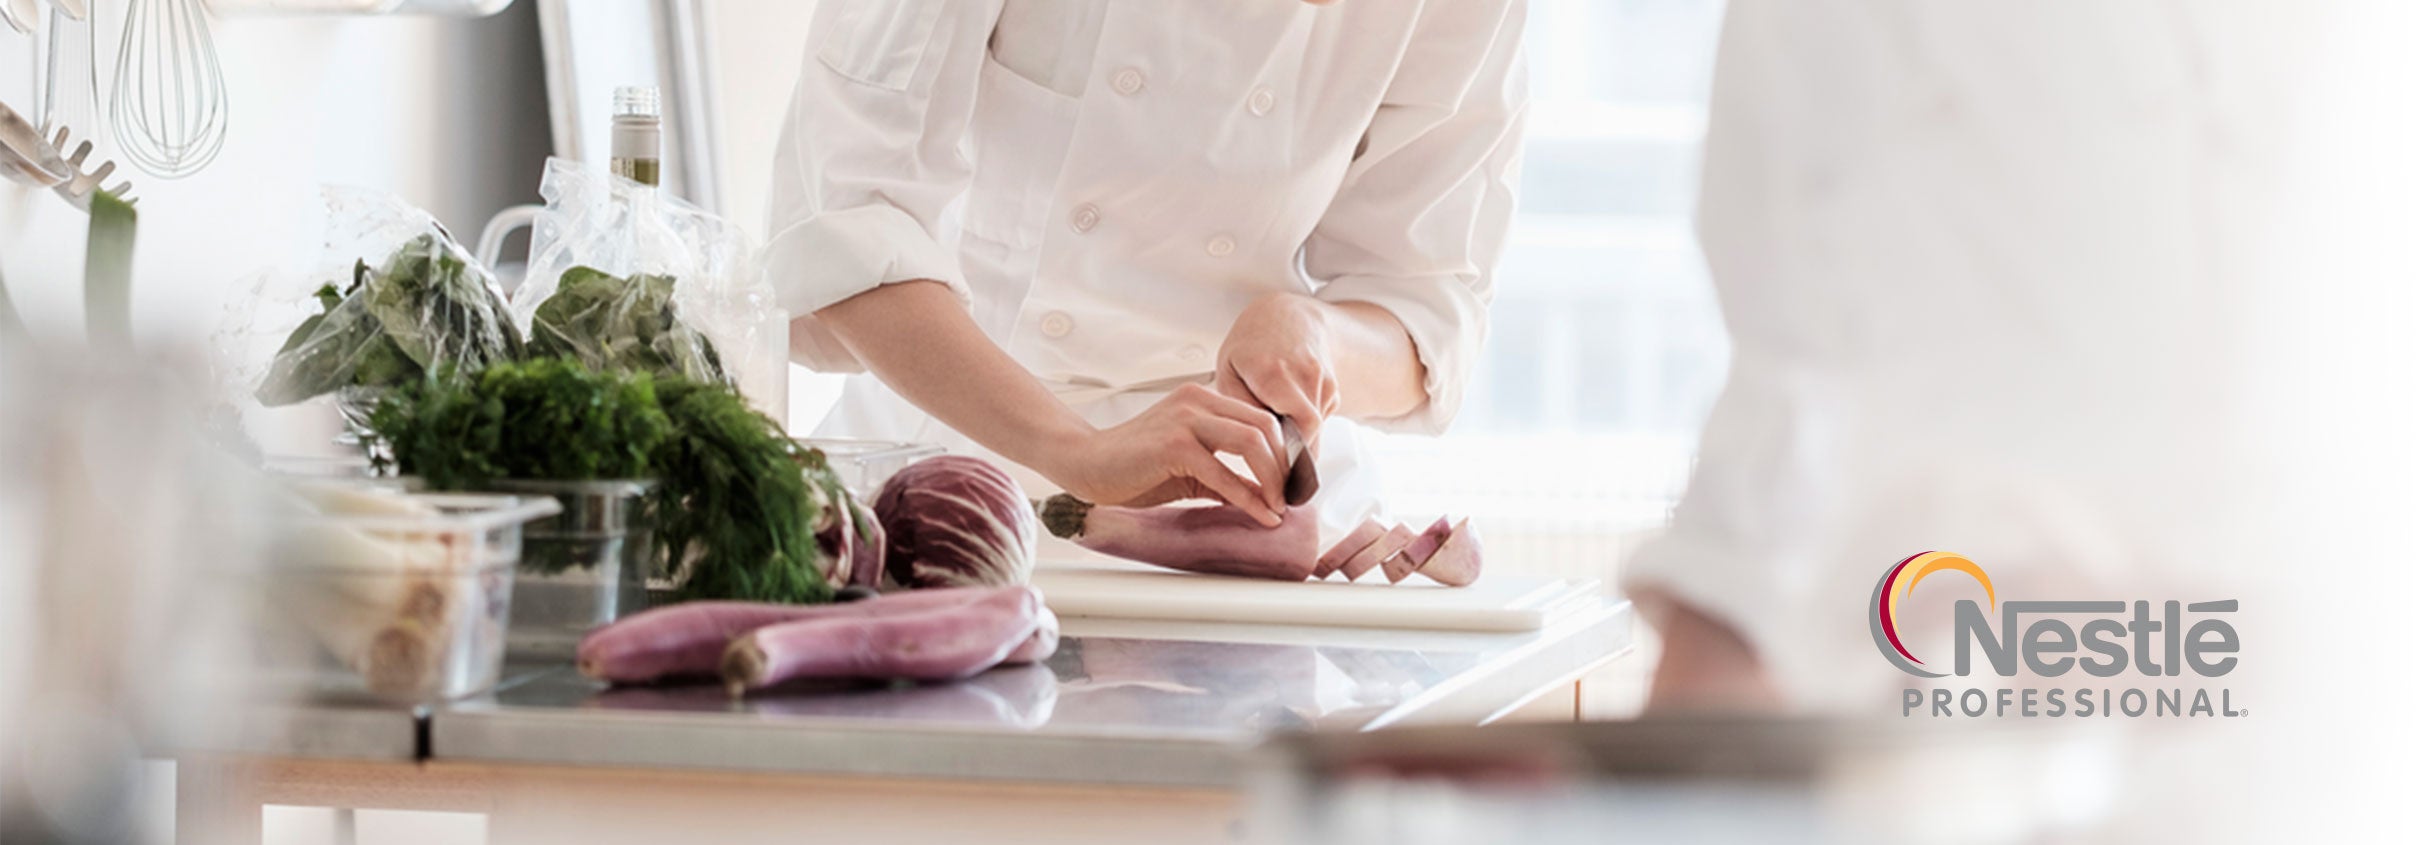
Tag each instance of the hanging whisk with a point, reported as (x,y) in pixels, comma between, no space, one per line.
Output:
(169,109)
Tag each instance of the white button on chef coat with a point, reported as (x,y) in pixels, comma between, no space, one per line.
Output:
(983,143)
(1128,81)
(1057,324)
(1262,101)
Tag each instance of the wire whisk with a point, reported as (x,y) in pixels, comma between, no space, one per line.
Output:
(169,109)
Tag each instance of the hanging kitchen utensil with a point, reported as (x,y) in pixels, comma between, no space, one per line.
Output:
(69,95)
(169,111)
(77,9)
(20,14)
(81,183)
(24,156)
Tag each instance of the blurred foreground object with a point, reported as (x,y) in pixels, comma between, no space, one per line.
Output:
(118,527)
(1693,780)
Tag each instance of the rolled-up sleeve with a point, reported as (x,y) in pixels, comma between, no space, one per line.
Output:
(1421,216)
(870,157)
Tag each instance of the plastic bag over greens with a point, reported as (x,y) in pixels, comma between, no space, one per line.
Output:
(400,299)
(625,277)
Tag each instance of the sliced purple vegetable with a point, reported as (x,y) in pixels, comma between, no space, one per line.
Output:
(1456,563)
(1361,537)
(1377,552)
(688,639)
(943,644)
(1212,540)
(955,521)
(1417,552)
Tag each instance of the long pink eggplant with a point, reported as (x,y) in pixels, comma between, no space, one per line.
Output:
(943,644)
(1038,646)
(1215,540)
(688,639)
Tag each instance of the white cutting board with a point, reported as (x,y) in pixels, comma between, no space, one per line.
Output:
(1104,588)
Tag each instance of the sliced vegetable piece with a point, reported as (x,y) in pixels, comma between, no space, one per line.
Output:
(1417,552)
(1212,540)
(943,644)
(1456,563)
(1377,552)
(1426,544)
(688,639)
(1361,537)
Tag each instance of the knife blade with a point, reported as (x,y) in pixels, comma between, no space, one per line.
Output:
(1302,471)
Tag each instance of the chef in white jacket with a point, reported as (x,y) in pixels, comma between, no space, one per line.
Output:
(1991,276)
(1111,241)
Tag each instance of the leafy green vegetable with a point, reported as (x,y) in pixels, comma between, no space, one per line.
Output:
(544,419)
(425,308)
(612,323)
(735,497)
(738,487)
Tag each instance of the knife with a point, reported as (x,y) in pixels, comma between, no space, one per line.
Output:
(1302,472)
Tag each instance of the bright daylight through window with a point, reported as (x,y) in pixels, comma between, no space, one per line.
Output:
(1606,347)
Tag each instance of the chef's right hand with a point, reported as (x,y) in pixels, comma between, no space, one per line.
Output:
(1170,452)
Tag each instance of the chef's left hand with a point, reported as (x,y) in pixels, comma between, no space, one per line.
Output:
(1277,356)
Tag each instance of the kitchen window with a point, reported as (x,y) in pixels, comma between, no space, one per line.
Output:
(1606,348)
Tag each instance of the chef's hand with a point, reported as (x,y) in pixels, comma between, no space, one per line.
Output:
(1277,356)
(1169,452)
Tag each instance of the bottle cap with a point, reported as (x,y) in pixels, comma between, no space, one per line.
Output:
(637,101)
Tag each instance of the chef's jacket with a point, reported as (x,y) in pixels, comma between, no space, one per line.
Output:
(1984,267)
(1107,185)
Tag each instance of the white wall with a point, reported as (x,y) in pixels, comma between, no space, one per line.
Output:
(435,110)
(758,45)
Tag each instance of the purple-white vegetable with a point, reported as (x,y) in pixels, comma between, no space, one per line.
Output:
(836,537)
(1361,537)
(1370,556)
(955,521)
(1416,552)
(1456,562)
(1213,540)
(944,644)
(688,639)
(1039,646)
(865,566)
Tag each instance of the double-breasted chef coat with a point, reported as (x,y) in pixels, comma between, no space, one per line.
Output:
(1108,184)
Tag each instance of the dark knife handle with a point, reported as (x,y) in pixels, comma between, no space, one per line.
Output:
(1302,473)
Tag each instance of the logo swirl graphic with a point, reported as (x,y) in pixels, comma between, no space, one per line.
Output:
(1892,591)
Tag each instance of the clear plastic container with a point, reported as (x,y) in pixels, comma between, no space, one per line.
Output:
(582,568)
(403,597)
(865,464)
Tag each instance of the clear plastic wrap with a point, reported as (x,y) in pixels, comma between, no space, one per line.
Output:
(624,276)
(396,298)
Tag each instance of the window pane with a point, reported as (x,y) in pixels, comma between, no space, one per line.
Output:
(1606,347)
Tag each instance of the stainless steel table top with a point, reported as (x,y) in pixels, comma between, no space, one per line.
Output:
(1169,704)
(318,730)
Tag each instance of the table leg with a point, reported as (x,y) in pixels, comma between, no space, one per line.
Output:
(215,803)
